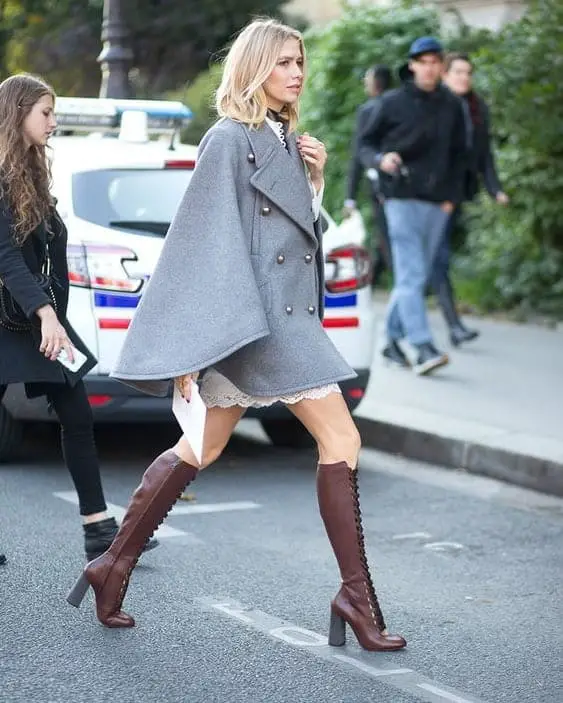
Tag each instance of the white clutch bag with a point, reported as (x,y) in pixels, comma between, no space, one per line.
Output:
(191,418)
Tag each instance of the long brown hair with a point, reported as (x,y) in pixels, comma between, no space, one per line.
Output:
(25,173)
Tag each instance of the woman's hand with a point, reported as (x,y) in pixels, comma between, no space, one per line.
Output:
(184,384)
(314,154)
(53,335)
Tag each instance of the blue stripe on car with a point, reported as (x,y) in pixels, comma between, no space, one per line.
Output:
(341,301)
(115,300)
(119,300)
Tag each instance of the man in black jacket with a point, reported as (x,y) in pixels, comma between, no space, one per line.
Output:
(416,140)
(377,81)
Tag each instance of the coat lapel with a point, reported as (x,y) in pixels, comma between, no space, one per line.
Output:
(281,176)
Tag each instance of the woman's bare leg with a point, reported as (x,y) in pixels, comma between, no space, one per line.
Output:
(219,426)
(329,422)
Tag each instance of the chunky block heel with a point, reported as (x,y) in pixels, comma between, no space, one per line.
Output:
(78,591)
(337,632)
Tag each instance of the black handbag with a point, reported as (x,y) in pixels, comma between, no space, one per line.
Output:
(12,317)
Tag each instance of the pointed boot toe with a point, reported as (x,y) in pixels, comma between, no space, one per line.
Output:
(396,641)
(119,619)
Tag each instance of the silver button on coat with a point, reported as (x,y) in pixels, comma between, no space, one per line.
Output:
(311,309)
(266,211)
(289,309)
(280,259)
(308,258)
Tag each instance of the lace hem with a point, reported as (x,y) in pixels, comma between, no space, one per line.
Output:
(217,391)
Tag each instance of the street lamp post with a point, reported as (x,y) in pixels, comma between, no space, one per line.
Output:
(116,56)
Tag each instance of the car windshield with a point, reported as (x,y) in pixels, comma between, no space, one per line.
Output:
(142,200)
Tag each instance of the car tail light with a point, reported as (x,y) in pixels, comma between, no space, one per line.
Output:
(101,267)
(97,401)
(180,163)
(348,268)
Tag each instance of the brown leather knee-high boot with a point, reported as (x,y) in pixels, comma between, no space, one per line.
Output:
(161,486)
(356,603)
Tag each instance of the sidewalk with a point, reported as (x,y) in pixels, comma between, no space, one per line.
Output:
(496,410)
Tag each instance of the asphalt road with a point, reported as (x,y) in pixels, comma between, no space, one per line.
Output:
(233,606)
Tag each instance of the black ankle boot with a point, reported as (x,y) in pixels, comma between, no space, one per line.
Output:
(98,537)
(459,334)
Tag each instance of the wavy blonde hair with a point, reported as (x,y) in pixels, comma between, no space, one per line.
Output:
(248,65)
(25,172)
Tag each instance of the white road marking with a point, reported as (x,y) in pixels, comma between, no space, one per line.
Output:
(413,535)
(305,638)
(406,680)
(200,508)
(116,511)
(446,695)
(371,670)
(444,546)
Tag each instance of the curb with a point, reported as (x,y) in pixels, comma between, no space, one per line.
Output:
(532,472)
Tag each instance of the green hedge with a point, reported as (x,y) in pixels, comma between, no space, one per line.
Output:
(518,252)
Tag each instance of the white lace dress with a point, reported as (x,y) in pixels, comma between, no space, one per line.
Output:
(217,391)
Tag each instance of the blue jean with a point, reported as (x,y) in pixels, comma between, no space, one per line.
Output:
(416,229)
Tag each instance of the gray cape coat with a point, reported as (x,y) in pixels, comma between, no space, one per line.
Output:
(239,285)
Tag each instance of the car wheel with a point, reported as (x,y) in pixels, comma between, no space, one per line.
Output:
(288,433)
(10,434)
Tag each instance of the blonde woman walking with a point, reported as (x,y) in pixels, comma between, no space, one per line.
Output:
(238,294)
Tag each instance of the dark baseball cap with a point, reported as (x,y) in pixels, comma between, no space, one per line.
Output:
(425,45)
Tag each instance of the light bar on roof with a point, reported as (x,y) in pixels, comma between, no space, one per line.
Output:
(86,113)
(104,114)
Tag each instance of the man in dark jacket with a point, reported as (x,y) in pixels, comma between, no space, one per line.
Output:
(416,140)
(377,81)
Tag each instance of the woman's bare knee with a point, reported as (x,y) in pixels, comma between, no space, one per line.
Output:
(330,423)
(342,447)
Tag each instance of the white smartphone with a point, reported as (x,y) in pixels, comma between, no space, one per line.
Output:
(79,360)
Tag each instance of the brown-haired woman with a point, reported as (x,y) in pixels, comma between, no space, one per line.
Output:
(248,231)
(31,232)
(458,76)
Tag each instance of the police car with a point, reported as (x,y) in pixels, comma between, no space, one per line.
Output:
(119,174)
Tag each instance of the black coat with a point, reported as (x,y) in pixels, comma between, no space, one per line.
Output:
(20,358)
(428,130)
(481,160)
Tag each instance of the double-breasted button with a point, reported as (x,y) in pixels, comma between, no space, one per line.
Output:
(251,158)
(308,258)
(311,309)
(280,259)
(289,309)
(266,211)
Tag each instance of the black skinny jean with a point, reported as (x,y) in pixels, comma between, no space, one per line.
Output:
(78,445)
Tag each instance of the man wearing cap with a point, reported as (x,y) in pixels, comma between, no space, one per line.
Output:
(416,141)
